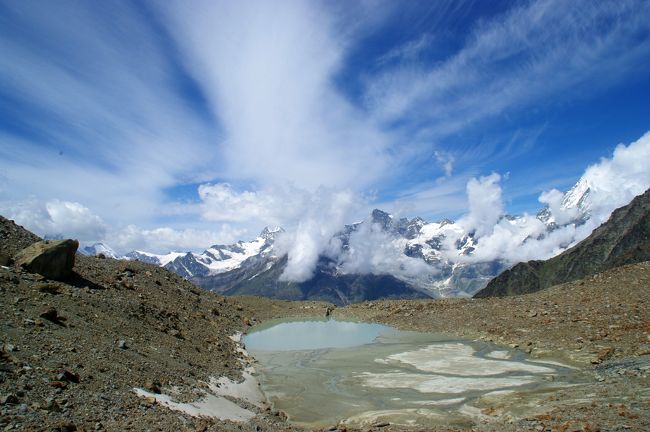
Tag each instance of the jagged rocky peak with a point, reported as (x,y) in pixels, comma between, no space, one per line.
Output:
(382,218)
(269,233)
(405,227)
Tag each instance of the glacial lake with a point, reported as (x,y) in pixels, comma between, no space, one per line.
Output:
(324,372)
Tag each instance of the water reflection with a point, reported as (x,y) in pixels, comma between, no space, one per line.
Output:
(314,334)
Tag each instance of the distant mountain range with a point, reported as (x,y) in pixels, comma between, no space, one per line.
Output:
(254,267)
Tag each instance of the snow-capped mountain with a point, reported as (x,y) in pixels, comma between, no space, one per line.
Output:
(219,259)
(98,249)
(411,258)
(151,258)
(575,206)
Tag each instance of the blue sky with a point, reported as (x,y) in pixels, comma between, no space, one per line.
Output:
(174,125)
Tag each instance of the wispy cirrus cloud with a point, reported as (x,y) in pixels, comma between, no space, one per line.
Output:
(267,70)
(94,104)
(529,53)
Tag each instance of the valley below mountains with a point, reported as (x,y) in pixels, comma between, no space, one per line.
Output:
(112,345)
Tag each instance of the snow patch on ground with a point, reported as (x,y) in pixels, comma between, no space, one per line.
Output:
(210,406)
(458,359)
(216,403)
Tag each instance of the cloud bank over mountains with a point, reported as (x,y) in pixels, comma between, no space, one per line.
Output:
(156,126)
(610,183)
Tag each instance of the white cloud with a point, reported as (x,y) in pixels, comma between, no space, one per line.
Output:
(611,183)
(407,52)
(324,214)
(534,50)
(107,127)
(561,214)
(372,250)
(267,69)
(615,181)
(221,203)
(446,160)
(165,239)
(485,205)
(55,219)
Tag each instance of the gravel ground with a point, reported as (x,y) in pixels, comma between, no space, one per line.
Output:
(73,351)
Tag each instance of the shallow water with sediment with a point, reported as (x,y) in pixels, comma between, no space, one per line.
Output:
(327,372)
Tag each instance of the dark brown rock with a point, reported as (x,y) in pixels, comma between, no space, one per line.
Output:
(53,259)
(5,260)
(50,314)
(152,386)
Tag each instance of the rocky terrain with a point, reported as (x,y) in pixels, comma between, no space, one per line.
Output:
(74,350)
(623,239)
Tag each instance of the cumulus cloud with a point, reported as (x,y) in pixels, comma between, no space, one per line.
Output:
(614,181)
(485,205)
(165,239)
(56,219)
(325,213)
(606,185)
(553,199)
(221,202)
(372,250)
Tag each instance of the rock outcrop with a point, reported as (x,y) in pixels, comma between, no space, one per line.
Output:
(623,239)
(53,259)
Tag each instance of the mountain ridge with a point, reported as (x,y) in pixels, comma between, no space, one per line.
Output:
(435,259)
(623,239)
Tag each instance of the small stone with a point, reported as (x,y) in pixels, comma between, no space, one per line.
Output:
(122,344)
(604,354)
(67,427)
(5,260)
(9,399)
(66,375)
(152,386)
(148,401)
(532,314)
(58,384)
(50,405)
(48,288)
(50,314)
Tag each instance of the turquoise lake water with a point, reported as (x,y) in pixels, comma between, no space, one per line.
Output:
(326,372)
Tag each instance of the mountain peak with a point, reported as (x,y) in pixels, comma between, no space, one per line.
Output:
(382,218)
(270,232)
(97,249)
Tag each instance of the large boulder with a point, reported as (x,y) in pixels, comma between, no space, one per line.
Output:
(53,259)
